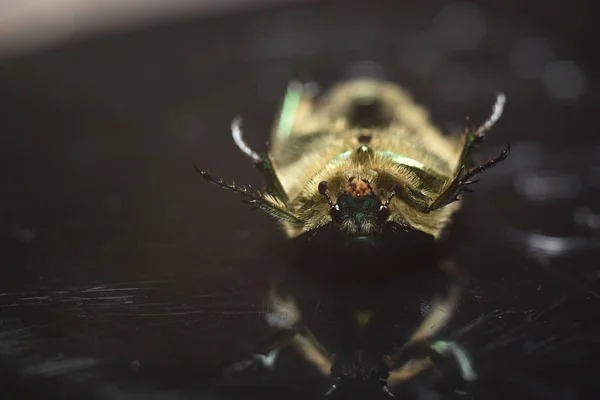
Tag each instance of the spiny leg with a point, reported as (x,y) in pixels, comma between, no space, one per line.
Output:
(313,352)
(301,339)
(463,179)
(421,351)
(461,182)
(473,138)
(447,348)
(441,311)
(424,355)
(263,163)
(284,315)
(266,354)
(264,202)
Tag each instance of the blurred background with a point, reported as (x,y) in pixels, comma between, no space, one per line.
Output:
(122,275)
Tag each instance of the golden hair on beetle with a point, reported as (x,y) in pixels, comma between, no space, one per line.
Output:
(364,157)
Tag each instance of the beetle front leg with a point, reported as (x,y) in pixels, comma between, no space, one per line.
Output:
(463,179)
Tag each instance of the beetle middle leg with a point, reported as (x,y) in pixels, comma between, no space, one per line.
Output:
(464,177)
(462,180)
(264,163)
(284,315)
(422,351)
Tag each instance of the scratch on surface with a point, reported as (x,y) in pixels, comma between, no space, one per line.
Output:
(35,298)
(105,289)
(17,294)
(50,368)
(136,300)
(175,313)
(535,315)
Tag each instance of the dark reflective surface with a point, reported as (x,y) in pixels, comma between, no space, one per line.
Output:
(124,275)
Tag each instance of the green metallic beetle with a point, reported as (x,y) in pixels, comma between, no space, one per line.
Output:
(364,158)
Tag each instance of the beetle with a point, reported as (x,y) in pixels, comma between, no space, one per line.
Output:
(365,159)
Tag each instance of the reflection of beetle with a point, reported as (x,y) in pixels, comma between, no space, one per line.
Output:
(365,159)
(358,366)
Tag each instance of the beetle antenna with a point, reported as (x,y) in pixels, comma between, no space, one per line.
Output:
(323,192)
